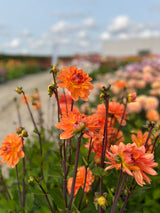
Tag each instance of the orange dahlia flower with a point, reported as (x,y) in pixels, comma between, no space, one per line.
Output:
(117,110)
(96,146)
(65,99)
(36,105)
(24,100)
(153,115)
(133,160)
(120,84)
(76,122)
(67,108)
(77,82)
(140,140)
(80,178)
(11,149)
(101,116)
(97,140)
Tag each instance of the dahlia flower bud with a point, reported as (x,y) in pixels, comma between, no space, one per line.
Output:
(101,200)
(54,69)
(19,90)
(24,133)
(51,89)
(132,97)
(19,130)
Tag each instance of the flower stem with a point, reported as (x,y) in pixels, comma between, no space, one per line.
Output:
(156,139)
(65,173)
(149,134)
(45,193)
(5,187)
(56,96)
(37,131)
(75,171)
(18,113)
(120,125)
(129,193)
(118,194)
(86,168)
(65,101)
(18,185)
(104,144)
(24,172)
(72,105)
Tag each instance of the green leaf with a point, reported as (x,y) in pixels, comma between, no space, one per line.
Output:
(29,201)
(7,205)
(84,160)
(98,171)
(58,197)
(91,202)
(76,209)
(78,197)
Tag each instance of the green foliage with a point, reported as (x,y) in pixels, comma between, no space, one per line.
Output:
(58,159)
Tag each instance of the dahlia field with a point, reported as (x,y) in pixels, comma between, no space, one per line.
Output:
(103,152)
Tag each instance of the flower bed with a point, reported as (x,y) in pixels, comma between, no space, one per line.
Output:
(96,158)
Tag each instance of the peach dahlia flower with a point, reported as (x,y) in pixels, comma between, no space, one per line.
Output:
(133,160)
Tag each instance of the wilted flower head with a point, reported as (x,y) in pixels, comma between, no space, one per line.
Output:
(11,149)
(77,82)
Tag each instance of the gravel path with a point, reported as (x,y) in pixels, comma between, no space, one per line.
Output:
(8,113)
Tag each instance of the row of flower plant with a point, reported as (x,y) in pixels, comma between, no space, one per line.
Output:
(87,161)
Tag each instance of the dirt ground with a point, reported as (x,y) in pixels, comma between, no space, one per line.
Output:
(8,112)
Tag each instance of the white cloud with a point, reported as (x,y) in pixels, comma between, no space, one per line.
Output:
(83,43)
(89,22)
(25,33)
(120,23)
(60,27)
(82,34)
(122,27)
(15,43)
(105,36)
(63,41)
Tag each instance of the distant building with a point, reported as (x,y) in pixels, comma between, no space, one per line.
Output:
(131,47)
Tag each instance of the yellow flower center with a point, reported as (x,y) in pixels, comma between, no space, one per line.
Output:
(78,126)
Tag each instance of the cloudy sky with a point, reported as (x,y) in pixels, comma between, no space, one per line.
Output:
(73,26)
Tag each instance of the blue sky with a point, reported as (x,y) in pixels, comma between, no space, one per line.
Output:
(73,26)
